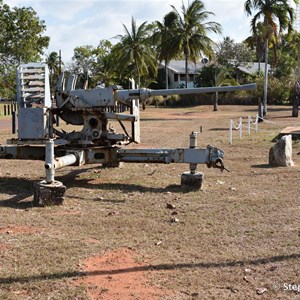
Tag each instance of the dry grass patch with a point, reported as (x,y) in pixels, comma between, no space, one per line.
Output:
(239,234)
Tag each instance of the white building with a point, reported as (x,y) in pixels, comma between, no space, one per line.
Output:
(176,73)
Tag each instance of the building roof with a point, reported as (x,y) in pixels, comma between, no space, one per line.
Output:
(178,66)
(252,68)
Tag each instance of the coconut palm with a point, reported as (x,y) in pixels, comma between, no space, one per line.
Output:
(162,34)
(256,41)
(190,36)
(134,53)
(53,62)
(222,78)
(277,16)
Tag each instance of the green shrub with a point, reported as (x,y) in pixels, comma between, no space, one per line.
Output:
(174,100)
(279,90)
(156,100)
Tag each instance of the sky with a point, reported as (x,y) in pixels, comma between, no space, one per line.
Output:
(72,23)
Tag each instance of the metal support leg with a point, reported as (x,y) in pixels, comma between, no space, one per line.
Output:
(49,191)
(192,179)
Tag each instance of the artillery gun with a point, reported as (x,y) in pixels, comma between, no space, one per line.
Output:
(39,137)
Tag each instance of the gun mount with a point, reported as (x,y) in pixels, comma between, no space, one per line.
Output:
(40,138)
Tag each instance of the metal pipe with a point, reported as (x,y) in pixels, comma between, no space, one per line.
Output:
(193,139)
(49,161)
(193,145)
(64,161)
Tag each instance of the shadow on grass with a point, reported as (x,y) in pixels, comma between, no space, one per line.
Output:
(218,129)
(22,188)
(270,109)
(129,187)
(71,180)
(262,166)
(19,189)
(161,267)
(167,119)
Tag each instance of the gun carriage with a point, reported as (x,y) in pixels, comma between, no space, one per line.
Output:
(96,142)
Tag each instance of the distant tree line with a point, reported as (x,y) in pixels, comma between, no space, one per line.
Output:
(182,34)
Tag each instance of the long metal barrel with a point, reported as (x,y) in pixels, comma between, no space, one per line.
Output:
(251,86)
(143,93)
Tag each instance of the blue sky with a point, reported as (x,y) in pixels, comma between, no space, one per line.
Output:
(72,23)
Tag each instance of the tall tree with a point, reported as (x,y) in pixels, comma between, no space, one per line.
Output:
(277,16)
(234,54)
(256,41)
(93,64)
(106,71)
(163,32)
(84,59)
(134,53)
(191,34)
(21,40)
(53,62)
(21,37)
(287,55)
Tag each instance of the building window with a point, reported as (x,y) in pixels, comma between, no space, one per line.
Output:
(175,77)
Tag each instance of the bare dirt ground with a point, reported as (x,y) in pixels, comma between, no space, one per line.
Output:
(114,237)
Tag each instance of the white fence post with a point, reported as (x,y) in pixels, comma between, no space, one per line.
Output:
(230,132)
(241,128)
(232,126)
(256,123)
(249,125)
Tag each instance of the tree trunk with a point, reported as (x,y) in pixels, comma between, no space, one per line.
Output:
(216,101)
(167,77)
(266,77)
(260,111)
(186,71)
(296,99)
(295,106)
(138,74)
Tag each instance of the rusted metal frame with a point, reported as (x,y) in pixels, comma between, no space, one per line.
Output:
(22,152)
(125,130)
(179,155)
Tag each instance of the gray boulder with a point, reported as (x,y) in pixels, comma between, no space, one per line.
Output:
(281,153)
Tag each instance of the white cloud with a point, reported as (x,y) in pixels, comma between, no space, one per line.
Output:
(72,23)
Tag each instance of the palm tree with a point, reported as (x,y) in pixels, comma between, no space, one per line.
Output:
(190,36)
(277,16)
(257,41)
(161,36)
(53,62)
(107,71)
(134,52)
(222,78)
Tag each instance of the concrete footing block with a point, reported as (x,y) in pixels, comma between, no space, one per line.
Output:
(47,194)
(192,181)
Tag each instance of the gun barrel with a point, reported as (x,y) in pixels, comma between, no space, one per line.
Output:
(190,91)
(143,94)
